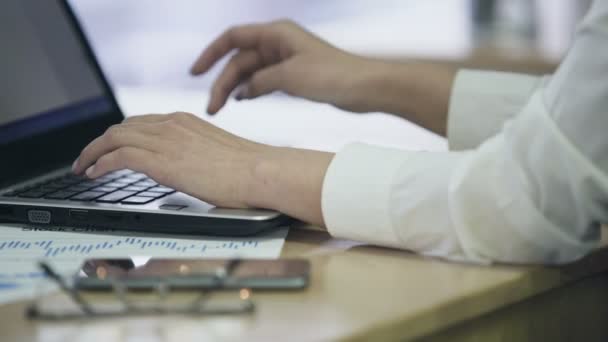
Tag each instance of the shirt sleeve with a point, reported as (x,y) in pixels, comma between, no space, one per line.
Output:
(536,192)
(482,101)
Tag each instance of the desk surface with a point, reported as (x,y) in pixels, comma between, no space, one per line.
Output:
(356,291)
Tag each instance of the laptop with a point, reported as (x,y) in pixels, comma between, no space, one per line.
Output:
(54,100)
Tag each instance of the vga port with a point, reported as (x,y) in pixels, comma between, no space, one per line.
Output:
(39,216)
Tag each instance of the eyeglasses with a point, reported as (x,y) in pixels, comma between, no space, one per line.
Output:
(202,304)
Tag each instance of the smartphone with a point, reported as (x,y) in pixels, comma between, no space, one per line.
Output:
(144,273)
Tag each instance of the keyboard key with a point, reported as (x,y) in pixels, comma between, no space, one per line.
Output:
(32,186)
(87,196)
(125,181)
(139,176)
(68,181)
(137,200)
(162,189)
(45,189)
(135,188)
(78,188)
(57,184)
(151,194)
(53,186)
(116,196)
(123,172)
(62,194)
(107,178)
(105,188)
(60,183)
(76,177)
(115,184)
(23,189)
(147,183)
(32,194)
(92,183)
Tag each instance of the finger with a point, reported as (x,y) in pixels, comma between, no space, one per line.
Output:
(133,158)
(116,137)
(238,37)
(241,65)
(146,118)
(263,82)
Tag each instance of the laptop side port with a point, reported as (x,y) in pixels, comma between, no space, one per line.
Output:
(79,214)
(39,216)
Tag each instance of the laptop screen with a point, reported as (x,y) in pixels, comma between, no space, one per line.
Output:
(48,80)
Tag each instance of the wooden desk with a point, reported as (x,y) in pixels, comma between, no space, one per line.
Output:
(367,293)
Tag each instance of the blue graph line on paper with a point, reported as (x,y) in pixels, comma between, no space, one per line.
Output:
(9,281)
(21,275)
(8,286)
(51,248)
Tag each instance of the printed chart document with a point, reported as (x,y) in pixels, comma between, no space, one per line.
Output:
(66,248)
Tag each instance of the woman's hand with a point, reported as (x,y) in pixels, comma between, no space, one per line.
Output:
(177,150)
(188,154)
(282,56)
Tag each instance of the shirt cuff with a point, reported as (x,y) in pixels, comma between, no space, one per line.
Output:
(356,191)
(390,197)
(482,101)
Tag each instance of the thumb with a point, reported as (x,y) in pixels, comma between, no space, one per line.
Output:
(262,82)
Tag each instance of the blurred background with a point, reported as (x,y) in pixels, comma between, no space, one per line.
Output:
(147,47)
(153,43)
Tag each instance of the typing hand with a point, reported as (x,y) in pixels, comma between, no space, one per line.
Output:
(190,155)
(178,150)
(281,56)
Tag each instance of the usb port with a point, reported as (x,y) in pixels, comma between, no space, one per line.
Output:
(79,215)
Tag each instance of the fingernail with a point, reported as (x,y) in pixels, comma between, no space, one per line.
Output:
(90,171)
(75,165)
(241,93)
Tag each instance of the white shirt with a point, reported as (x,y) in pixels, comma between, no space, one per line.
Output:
(526,180)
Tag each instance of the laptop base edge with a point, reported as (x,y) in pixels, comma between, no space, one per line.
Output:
(149,222)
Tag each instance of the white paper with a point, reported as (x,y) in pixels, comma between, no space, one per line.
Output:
(65,248)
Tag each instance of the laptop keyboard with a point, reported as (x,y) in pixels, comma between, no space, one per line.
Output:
(123,186)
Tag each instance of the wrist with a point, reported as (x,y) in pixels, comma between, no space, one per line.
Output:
(376,86)
(263,170)
(288,180)
(418,92)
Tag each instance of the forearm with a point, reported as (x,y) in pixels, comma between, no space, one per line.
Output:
(289,180)
(418,92)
